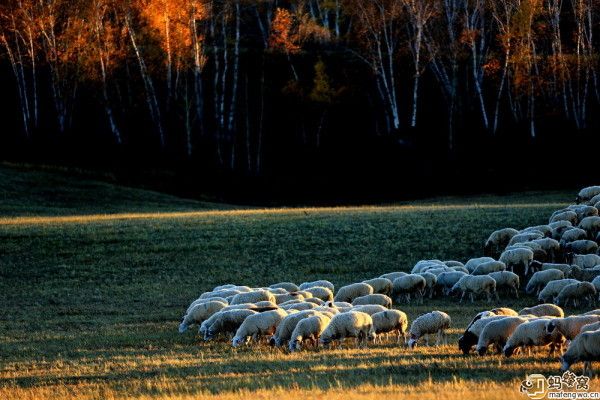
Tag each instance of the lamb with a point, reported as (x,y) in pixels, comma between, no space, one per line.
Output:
(225,322)
(380,285)
(369,308)
(282,298)
(392,275)
(258,325)
(584,260)
(446,280)
(581,247)
(434,322)
(352,291)
(517,260)
(587,194)
(570,327)
(430,281)
(566,215)
(321,292)
(471,335)
(407,285)
(474,262)
(586,348)
(253,297)
(321,283)
(525,237)
(498,241)
(289,286)
(508,281)
(390,321)
(533,333)
(376,298)
(476,285)
(199,313)
(575,292)
(351,324)
(565,268)
(489,267)
(543,310)
(553,288)
(309,328)
(540,279)
(284,330)
(591,225)
(497,333)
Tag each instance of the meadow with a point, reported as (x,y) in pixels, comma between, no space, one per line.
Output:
(94,279)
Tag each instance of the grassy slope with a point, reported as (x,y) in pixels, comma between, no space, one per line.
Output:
(91,306)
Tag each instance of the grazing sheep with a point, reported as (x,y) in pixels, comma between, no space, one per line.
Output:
(476,285)
(454,264)
(517,260)
(199,313)
(307,329)
(584,274)
(320,292)
(584,260)
(341,304)
(584,211)
(594,200)
(369,308)
(391,276)
(289,286)
(587,193)
(565,215)
(282,298)
(284,330)
(435,271)
(497,332)
(376,298)
(570,327)
(591,225)
(553,288)
(407,285)
(545,230)
(559,231)
(350,292)
(525,237)
(581,247)
(321,283)
(565,268)
(258,325)
(225,293)
(253,297)
(430,281)
(460,269)
(543,310)
(265,304)
(275,291)
(489,267)
(586,348)
(390,321)
(574,292)
(572,235)
(419,266)
(471,335)
(315,300)
(447,280)
(540,279)
(550,246)
(224,322)
(509,281)
(351,324)
(533,333)
(434,322)
(474,263)
(497,241)
(380,285)
(200,301)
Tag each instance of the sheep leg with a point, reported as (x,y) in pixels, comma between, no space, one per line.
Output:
(471,297)
(462,297)
(517,292)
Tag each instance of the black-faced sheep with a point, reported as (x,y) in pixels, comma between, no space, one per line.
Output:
(571,326)
(496,333)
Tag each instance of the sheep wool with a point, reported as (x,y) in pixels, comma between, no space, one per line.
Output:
(533,333)
(586,348)
(585,260)
(518,259)
(553,288)
(309,328)
(321,283)
(315,300)
(380,299)
(350,292)
(570,327)
(435,322)
(282,298)
(576,292)
(407,285)
(380,285)
(253,297)
(321,292)
(508,281)
(476,285)
(199,313)
(289,286)
(305,305)
(581,247)
(474,263)
(351,324)
(496,333)
(541,278)
(286,327)
(590,327)
(369,308)
(390,321)
(566,215)
(543,310)
(258,325)
(565,268)
(446,280)
(225,322)
(489,267)
(391,276)
(200,301)
(587,194)
(498,241)
(471,335)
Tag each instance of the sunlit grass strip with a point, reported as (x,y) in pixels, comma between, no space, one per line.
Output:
(93,218)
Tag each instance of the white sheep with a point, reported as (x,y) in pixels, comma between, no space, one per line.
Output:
(498,241)
(540,279)
(350,292)
(253,297)
(565,268)
(199,313)
(533,333)
(392,275)
(454,264)
(471,335)
(476,285)
(581,247)
(584,211)
(489,267)
(380,285)
(447,280)
(224,322)
(553,288)
(497,332)
(565,215)
(508,281)
(517,259)
(321,283)
(474,262)
(586,348)
(255,326)
(289,286)
(572,234)
(550,246)
(375,298)
(320,292)
(587,194)
(594,326)
(545,230)
(571,326)
(369,308)
(284,330)
(283,298)
(407,285)
(560,228)
(275,291)
(591,225)
(305,293)
(390,321)
(315,300)
(423,264)
(435,322)
(305,305)
(543,310)
(584,260)
(430,281)
(309,328)
(225,293)
(525,237)
(200,301)
(575,292)
(350,324)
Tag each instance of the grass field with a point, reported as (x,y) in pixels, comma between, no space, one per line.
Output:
(94,279)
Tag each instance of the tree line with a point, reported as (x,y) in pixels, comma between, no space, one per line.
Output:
(227,78)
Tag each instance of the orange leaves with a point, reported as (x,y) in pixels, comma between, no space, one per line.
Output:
(284,36)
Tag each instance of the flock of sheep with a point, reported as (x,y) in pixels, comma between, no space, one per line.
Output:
(559,261)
